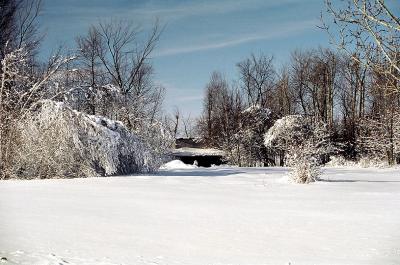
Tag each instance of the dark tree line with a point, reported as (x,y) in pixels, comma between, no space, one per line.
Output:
(352,100)
(354,92)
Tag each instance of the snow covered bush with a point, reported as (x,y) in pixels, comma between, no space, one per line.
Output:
(304,171)
(255,122)
(20,88)
(157,136)
(339,161)
(108,101)
(363,162)
(246,147)
(305,143)
(379,138)
(376,162)
(56,141)
(336,161)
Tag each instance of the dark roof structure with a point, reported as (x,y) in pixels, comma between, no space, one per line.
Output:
(190,151)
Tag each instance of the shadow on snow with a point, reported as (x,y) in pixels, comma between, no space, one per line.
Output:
(199,173)
(359,180)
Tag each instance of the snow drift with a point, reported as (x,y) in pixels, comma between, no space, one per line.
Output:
(56,141)
(176,164)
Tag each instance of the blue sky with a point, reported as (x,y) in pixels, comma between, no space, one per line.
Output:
(200,36)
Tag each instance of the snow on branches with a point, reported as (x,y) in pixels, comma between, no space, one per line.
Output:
(20,89)
(305,143)
(379,139)
(56,141)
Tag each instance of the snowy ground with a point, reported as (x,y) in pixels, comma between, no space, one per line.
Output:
(204,216)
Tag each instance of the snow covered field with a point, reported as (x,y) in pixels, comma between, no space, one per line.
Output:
(204,216)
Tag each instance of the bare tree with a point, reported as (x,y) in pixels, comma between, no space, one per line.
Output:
(313,78)
(257,75)
(27,25)
(175,120)
(92,76)
(369,32)
(8,8)
(18,26)
(113,53)
(188,126)
(214,121)
(285,102)
(122,55)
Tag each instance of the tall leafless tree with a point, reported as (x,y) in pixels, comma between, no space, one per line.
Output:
(257,76)
(369,32)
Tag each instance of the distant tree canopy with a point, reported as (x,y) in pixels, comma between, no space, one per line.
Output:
(352,100)
(354,92)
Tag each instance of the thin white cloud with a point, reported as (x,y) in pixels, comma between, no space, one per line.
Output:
(204,8)
(176,92)
(190,98)
(158,9)
(276,32)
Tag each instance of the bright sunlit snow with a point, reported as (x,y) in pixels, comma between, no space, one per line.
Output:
(204,216)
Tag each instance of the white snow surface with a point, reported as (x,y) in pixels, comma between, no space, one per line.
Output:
(203,216)
(177,164)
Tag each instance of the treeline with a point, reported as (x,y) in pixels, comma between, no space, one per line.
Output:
(108,73)
(74,99)
(360,107)
(351,96)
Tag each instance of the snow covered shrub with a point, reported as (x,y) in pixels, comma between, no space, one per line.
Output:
(246,147)
(56,141)
(379,138)
(304,171)
(21,86)
(256,120)
(157,136)
(339,161)
(364,162)
(110,102)
(304,141)
(105,100)
(368,161)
